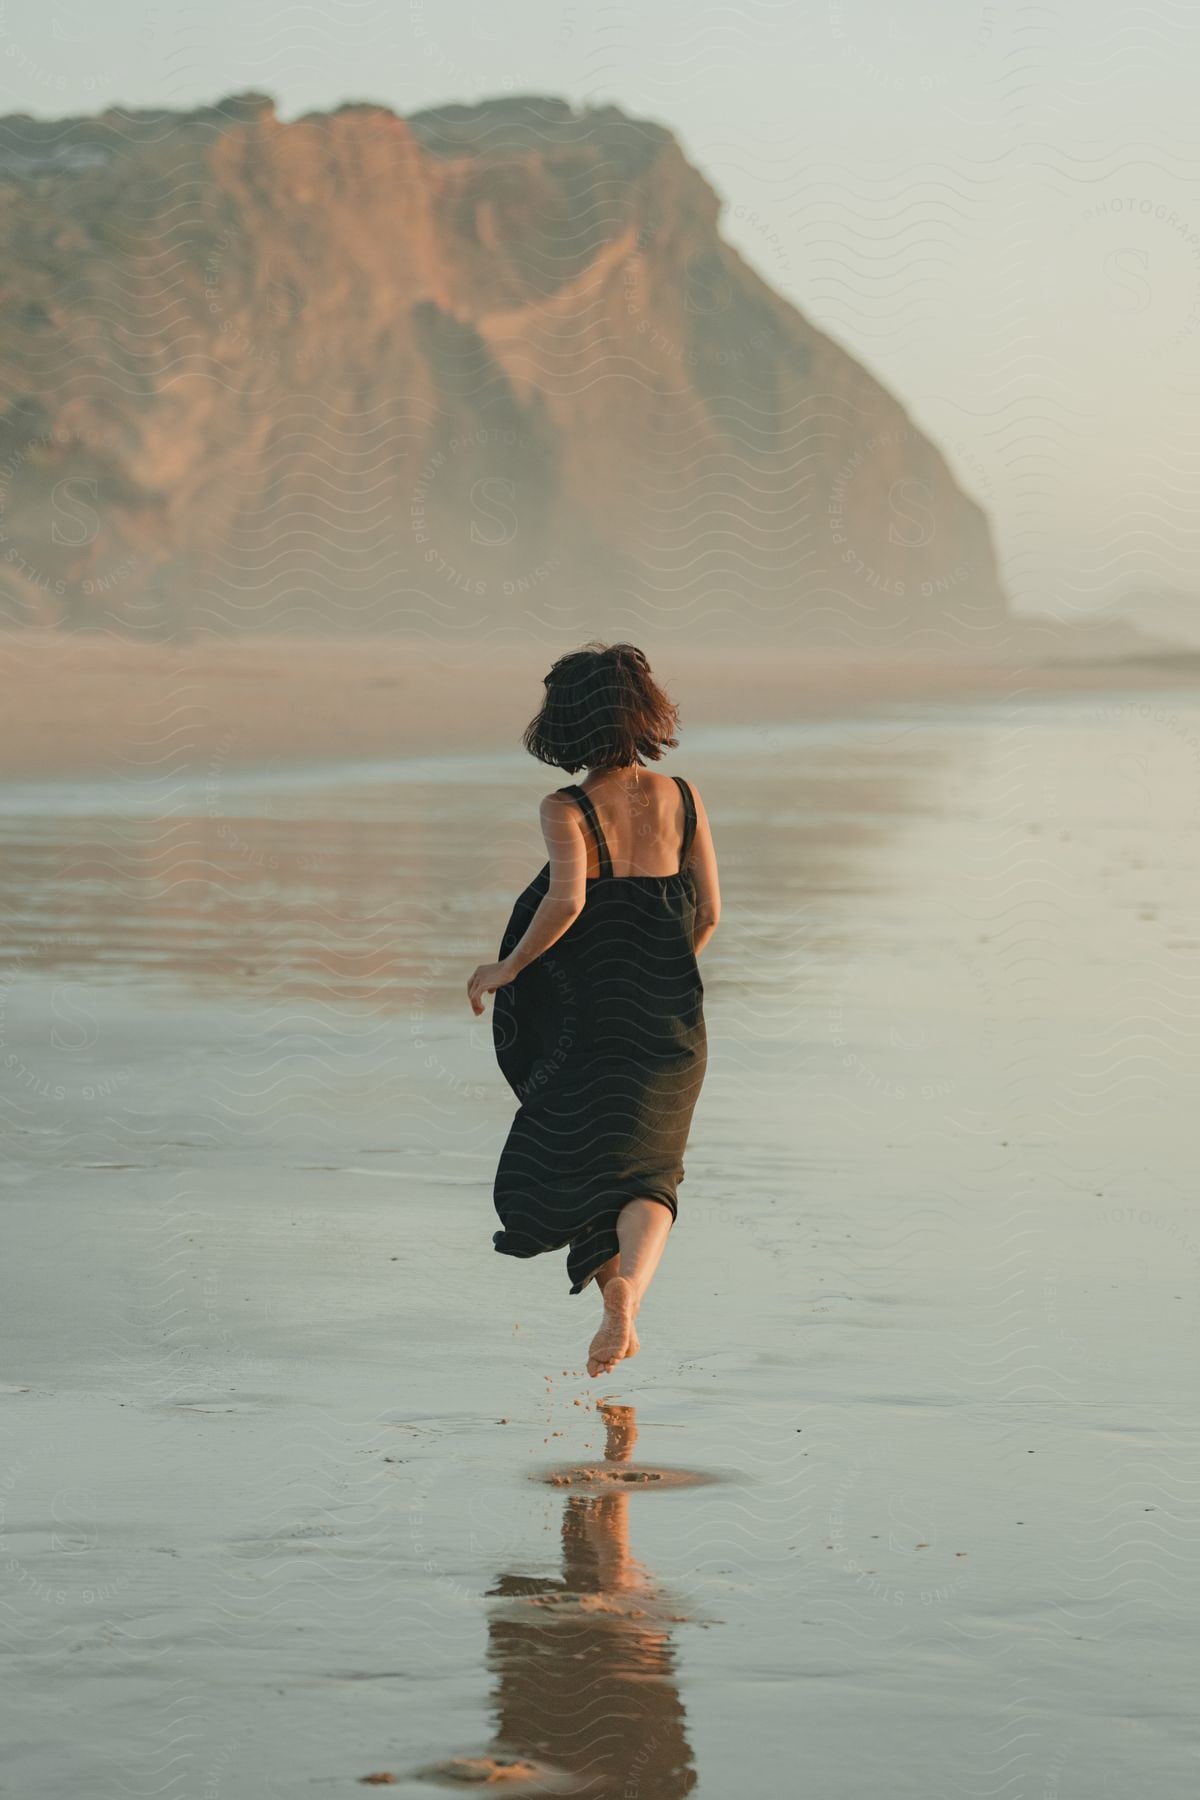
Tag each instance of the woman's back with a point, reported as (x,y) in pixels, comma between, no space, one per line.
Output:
(643,822)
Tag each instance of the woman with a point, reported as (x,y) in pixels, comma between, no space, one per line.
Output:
(598,1021)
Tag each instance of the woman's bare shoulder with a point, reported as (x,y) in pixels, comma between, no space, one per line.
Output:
(694,790)
(559,810)
(558,800)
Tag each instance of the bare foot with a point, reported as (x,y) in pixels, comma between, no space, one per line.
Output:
(612,1342)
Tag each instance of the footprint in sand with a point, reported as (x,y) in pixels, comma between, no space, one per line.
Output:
(490,1771)
(618,1468)
(593,1476)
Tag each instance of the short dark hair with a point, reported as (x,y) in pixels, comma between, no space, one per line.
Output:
(603,710)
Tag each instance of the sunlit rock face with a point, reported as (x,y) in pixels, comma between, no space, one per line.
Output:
(484,367)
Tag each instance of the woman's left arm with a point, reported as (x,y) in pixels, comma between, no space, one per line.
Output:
(562,828)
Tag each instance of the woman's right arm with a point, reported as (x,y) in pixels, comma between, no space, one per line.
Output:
(703,864)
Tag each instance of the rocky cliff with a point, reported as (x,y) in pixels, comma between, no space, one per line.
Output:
(486,367)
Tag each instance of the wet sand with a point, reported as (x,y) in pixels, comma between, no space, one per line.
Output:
(277,1423)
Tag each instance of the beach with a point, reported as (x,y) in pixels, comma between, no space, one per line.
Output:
(97,703)
(303,1484)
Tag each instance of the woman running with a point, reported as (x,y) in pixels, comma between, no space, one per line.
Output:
(598,1022)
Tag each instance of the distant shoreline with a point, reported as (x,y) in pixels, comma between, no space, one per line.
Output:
(92,705)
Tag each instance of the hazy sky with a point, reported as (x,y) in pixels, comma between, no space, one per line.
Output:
(996,208)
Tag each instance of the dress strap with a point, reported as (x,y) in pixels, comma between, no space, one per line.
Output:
(689,821)
(589,813)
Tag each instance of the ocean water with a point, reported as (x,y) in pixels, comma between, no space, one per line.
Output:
(928,1316)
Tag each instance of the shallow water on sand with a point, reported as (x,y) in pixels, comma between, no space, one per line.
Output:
(278,1423)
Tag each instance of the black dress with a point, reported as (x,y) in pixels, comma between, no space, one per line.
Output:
(602,1040)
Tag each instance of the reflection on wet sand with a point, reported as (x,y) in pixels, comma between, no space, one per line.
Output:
(587,1700)
(352,896)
